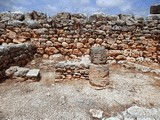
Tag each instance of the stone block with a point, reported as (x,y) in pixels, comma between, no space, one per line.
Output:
(9,72)
(155,9)
(98,55)
(33,74)
(98,75)
(21,72)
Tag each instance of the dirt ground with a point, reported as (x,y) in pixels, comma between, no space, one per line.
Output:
(72,100)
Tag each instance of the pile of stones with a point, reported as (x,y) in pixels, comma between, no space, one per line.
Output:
(17,54)
(22,73)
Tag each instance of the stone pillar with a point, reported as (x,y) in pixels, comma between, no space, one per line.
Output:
(155,9)
(99,69)
(158,52)
(98,55)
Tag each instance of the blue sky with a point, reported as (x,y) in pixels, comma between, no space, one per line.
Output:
(51,7)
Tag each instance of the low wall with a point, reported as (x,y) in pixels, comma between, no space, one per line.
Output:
(18,54)
(75,69)
(127,37)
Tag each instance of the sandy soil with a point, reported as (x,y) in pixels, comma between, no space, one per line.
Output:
(72,100)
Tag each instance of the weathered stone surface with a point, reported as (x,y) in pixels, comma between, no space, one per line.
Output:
(56,57)
(74,69)
(96,113)
(18,54)
(33,24)
(33,74)
(80,45)
(98,55)
(155,9)
(99,75)
(141,68)
(51,50)
(114,53)
(120,57)
(65,44)
(138,113)
(9,72)
(21,72)
(73,35)
(128,19)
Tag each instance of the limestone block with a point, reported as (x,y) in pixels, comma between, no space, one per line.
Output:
(120,57)
(98,75)
(21,72)
(33,74)
(96,113)
(114,53)
(9,72)
(51,50)
(80,45)
(98,55)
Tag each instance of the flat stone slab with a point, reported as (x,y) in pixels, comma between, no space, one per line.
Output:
(33,73)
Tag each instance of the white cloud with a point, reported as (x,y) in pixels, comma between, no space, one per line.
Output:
(126,8)
(22,2)
(76,6)
(109,3)
(72,6)
(51,9)
(89,10)
(20,9)
(85,1)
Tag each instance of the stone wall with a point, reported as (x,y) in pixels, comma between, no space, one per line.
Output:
(125,36)
(74,69)
(18,54)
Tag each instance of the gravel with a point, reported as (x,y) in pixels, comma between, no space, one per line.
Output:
(72,100)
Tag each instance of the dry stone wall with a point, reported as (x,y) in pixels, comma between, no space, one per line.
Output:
(125,36)
(74,69)
(18,54)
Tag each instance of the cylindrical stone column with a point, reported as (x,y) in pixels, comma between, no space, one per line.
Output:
(158,52)
(99,68)
(98,55)
(98,75)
